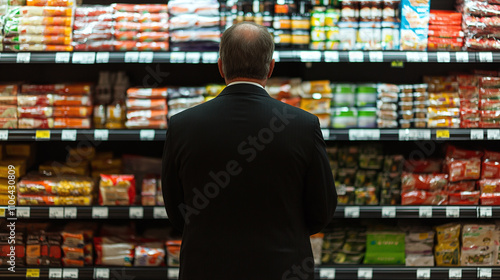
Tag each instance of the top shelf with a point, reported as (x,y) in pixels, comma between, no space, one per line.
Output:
(280,56)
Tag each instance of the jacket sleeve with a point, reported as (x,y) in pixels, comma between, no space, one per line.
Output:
(173,194)
(320,195)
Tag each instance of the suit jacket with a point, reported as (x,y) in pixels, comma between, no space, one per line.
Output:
(247,180)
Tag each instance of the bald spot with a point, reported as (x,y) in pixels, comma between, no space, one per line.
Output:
(246,31)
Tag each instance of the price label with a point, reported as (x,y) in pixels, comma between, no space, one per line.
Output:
(276,56)
(452,212)
(193,57)
(102,57)
(22,212)
(414,134)
(70,273)
(32,273)
(55,273)
(101,273)
(476,134)
(443,57)
(332,56)
(4,135)
(356,56)
(177,57)
(485,212)
(423,273)
(326,133)
(493,134)
(42,135)
(146,57)
(376,56)
(56,212)
(70,212)
(310,56)
(425,212)
(160,213)
(63,57)
(484,273)
(147,134)
(100,212)
(136,212)
(364,134)
(417,57)
(68,135)
(327,273)
(455,273)
(2,212)
(84,58)
(101,134)
(389,212)
(23,57)
(365,273)
(443,134)
(209,57)
(351,212)
(485,57)
(173,273)
(131,57)
(462,57)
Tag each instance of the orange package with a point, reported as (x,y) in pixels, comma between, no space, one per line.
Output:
(75,112)
(135,104)
(72,123)
(38,48)
(31,123)
(32,11)
(8,123)
(152,46)
(53,100)
(147,93)
(153,37)
(153,114)
(8,90)
(143,124)
(151,8)
(38,39)
(45,20)
(173,252)
(54,3)
(77,89)
(38,29)
(125,46)
(438,17)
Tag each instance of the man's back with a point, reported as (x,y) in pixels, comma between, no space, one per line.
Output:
(247,180)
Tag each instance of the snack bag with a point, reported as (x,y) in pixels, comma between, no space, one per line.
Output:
(116,189)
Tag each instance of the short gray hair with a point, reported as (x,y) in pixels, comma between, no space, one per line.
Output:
(246,54)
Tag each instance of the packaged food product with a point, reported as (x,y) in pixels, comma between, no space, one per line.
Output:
(72,89)
(82,123)
(490,198)
(429,182)
(37,184)
(55,3)
(146,123)
(53,100)
(444,122)
(464,169)
(116,189)
(462,186)
(447,254)
(464,198)
(147,256)
(30,11)
(38,39)
(458,153)
(489,185)
(54,200)
(38,48)
(173,252)
(423,166)
(490,169)
(424,198)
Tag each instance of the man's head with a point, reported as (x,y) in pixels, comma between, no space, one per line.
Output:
(246,53)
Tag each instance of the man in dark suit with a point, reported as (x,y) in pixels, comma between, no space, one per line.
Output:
(246,178)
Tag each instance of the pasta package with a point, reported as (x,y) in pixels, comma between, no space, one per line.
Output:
(116,189)
(31,11)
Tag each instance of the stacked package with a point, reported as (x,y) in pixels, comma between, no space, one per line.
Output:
(490,179)
(389,180)
(386,246)
(419,245)
(413,105)
(447,249)
(146,108)
(324,29)
(4,5)
(387,106)
(489,100)
(479,245)
(93,28)
(316,99)
(141,27)
(481,24)
(444,102)
(55,106)
(5,248)
(423,184)
(344,246)
(182,98)
(8,105)
(116,189)
(354,106)
(445,31)
(39,26)
(469,101)
(43,249)
(194,25)
(464,167)
(77,245)
(151,193)
(414,24)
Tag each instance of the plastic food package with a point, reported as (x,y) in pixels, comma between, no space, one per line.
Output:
(147,92)
(116,189)
(36,184)
(464,198)
(464,169)
(173,252)
(489,185)
(72,89)
(448,233)
(424,198)
(458,153)
(490,198)
(447,254)
(146,256)
(113,252)
(423,166)
(53,100)
(428,182)
(54,200)
(490,169)
(462,186)
(26,11)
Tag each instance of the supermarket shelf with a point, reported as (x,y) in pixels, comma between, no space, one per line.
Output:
(281,56)
(404,211)
(88,273)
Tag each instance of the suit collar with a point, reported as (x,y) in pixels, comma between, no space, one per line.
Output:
(244,88)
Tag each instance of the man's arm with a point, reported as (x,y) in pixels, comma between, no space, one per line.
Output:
(320,196)
(173,194)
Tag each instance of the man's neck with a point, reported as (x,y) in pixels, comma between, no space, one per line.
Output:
(260,82)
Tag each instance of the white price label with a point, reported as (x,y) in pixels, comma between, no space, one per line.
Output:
(23,57)
(68,135)
(276,56)
(485,57)
(102,57)
(327,273)
(414,134)
(209,57)
(101,134)
(160,213)
(493,134)
(70,273)
(131,57)
(63,57)
(101,273)
(455,273)
(310,56)
(425,211)
(22,212)
(485,211)
(452,212)
(356,56)
(364,134)
(443,57)
(332,56)
(326,133)
(147,134)
(136,212)
(100,212)
(476,134)
(351,212)
(193,57)
(84,58)
(462,57)
(423,273)
(56,212)
(55,273)
(70,212)
(365,273)
(376,56)
(484,273)
(146,57)
(177,57)
(4,135)
(389,212)
(173,273)
(417,57)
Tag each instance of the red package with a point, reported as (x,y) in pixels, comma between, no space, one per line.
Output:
(76,89)
(467,81)
(489,105)
(8,90)
(489,185)
(464,198)
(489,93)
(156,114)
(481,9)
(125,45)
(126,35)
(429,182)
(482,44)
(152,46)
(463,186)
(116,189)
(424,198)
(73,112)
(145,123)
(468,92)
(31,123)
(446,33)
(450,44)
(153,37)
(457,153)
(469,124)
(490,170)
(490,199)
(470,114)
(135,104)
(464,169)
(53,100)
(438,17)
(490,155)
(147,93)
(489,82)
(96,46)
(35,112)
(423,166)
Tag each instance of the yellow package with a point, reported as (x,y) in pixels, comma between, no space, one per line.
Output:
(322,86)
(19,150)
(316,106)
(4,185)
(447,254)
(16,167)
(448,233)
(59,168)
(444,99)
(4,200)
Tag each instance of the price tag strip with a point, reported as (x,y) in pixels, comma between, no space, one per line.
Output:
(455,273)
(310,56)
(365,273)
(485,57)
(364,134)
(423,273)
(101,134)
(32,273)
(326,133)
(101,273)
(389,212)
(84,58)
(209,57)
(462,57)
(425,212)
(100,212)
(70,212)
(493,134)
(356,56)
(55,273)
(4,135)
(56,212)
(63,57)
(102,57)
(327,273)
(476,134)
(160,213)
(414,134)
(376,56)
(484,273)
(131,57)
(136,212)
(443,134)
(443,57)
(146,57)
(485,212)
(417,57)
(70,273)
(22,212)
(351,212)
(23,57)
(452,212)
(177,57)
(68,135)
(42,135)
(147,134)
(173,273)
(332,56)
